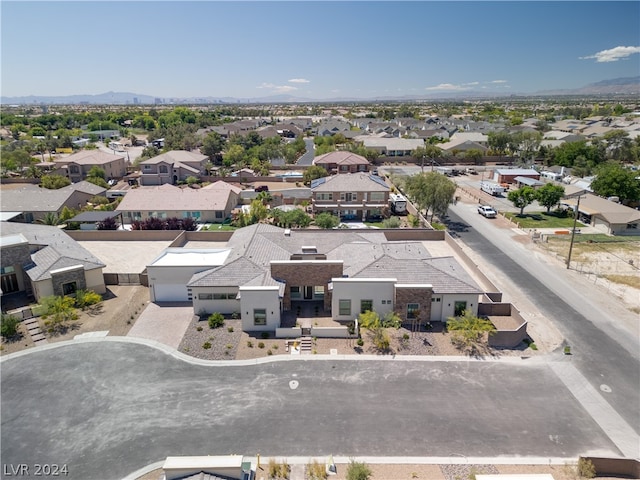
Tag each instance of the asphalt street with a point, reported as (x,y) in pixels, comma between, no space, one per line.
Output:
(606,354)
(106,409)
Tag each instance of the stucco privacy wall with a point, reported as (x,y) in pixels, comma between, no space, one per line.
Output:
(306,272)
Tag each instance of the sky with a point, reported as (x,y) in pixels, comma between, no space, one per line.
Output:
(315,50)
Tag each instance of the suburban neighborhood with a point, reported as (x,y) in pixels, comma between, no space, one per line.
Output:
(396,250)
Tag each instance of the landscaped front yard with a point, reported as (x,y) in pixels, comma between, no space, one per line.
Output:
(541,220)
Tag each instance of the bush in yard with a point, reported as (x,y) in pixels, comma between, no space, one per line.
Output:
(9,325)
(86,298)
(358,471)
(216,320)
(58,310)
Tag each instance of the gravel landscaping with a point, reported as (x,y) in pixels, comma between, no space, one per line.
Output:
(222,342)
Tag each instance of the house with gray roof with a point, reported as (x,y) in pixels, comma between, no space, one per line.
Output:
(172,167)
(31,202)
(391,147)
(43,260)
(350,196)
(270,270)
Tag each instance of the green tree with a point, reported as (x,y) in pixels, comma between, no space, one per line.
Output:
(426,154)
(49,218)
(313,172)
(522,197)
(99,181)
(54,182)
(257,211)
(234,155)
(296,218)
(58,310)
(358,471)
(613,180)
(618,144)
(475,155)
(431,191)
(498,142)
(467,331)
(97,172)
(326,220)
(212,146)
(549,195)
(9,325)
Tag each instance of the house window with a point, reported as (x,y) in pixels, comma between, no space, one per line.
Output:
(259,316)
(163,169)
(459,308)
(324,196)
(205,296)
(7,270)
(632,226)
(348,197)
(219,213)
(295,292)
(318,291)
(344,168)
(136,215)
(366,306)
(69,288)
(413,310)
(376,196)
(344,307)
(435,299)
(146,167)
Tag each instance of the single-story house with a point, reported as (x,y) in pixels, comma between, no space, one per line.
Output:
(42,260)
(269,270)
(76,167)
(210,204)
(31,202)
(607,216)
(392,147)
(508,175)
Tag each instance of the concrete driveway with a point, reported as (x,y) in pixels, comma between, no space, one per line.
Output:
(107,408)
(163,323)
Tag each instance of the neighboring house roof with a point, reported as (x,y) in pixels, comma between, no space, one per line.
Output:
(516,171)
(461,144)
(176,156)
(340,158)
(531,182)
(90,157)
(60,250)
(32,198)
(393,143)
(170,198)
(350,182)
(476,137)
(612,212)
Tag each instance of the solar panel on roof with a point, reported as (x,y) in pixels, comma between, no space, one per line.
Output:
(318,181)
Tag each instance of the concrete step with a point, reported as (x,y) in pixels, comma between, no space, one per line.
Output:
(38,337)
(31,321)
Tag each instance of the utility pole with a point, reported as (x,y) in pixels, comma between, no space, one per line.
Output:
(573,231)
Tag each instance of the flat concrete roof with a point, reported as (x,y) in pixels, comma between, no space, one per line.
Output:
(125,257)
(183,257)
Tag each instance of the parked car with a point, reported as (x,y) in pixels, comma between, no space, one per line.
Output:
(262,188)
(487,211)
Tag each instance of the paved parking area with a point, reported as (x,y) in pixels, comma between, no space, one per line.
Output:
(164,323)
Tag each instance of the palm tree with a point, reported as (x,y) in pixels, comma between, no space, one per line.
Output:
(50,218)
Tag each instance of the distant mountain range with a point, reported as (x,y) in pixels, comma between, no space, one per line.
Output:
(616,86)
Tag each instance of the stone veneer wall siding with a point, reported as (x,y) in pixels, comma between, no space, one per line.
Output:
(75,275)
(15,255)
(299,273)
(408,295)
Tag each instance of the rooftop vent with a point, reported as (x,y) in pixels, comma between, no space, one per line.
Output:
(309,249)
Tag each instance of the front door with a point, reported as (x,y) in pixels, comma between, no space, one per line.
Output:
(308,292)
(10,283)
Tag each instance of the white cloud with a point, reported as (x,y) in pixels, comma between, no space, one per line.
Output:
(277,88)
(299,80)
(498,81)
(613,54)
(446,87)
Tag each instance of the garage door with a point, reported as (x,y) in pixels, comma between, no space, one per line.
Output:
(170,293)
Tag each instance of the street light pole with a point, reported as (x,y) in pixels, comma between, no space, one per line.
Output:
(573,231)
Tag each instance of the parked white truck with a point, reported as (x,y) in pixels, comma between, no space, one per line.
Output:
(492,188)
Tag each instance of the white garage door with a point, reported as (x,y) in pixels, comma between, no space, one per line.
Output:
(170,293)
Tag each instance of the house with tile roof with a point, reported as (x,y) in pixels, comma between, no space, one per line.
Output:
(31,203)
(391,147)
(210,204)
(342,162)
(77,166)
(172,167)
(350,196)
(42,260)
(270,270)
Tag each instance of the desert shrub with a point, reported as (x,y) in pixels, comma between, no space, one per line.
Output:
(86,298)
(586,469)
(278,471)
(216,320)
(260,344)
(230,329)
(316,471)
(249,344)
(358,471)
(360,342)
(206,345)
(269,352)
(9,325)
(199,328)
(391,222)
(58,310)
